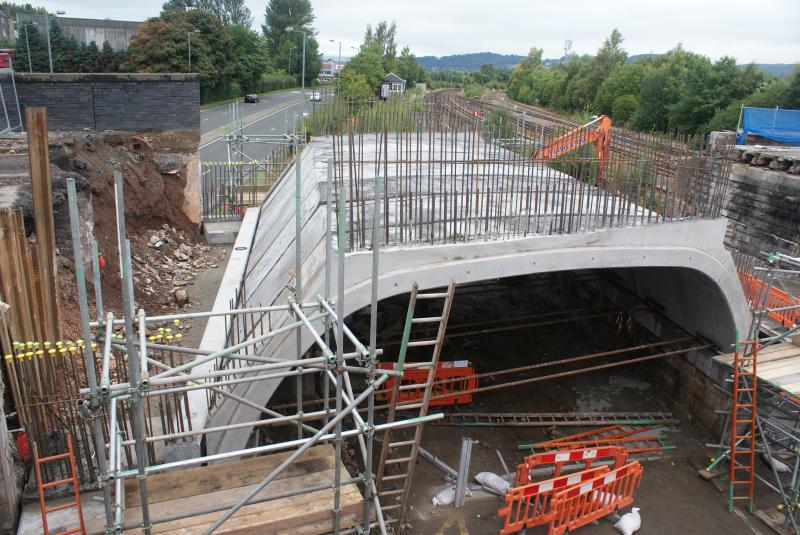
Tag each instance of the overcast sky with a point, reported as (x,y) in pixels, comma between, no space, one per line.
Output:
(767,31)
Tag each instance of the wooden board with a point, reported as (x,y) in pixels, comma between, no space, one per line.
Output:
(778,365)
(226,483)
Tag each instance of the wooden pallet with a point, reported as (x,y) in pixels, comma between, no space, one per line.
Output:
(222,483)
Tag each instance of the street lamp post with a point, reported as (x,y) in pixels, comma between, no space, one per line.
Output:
(28,46)
(303,79)
(189,34)
(337,64)
(49,50)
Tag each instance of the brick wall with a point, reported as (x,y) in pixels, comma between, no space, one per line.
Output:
(112,101)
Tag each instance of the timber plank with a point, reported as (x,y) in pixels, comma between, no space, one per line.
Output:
(262,518)
(204,479)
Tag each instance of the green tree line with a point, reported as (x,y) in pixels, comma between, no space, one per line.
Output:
(677,91)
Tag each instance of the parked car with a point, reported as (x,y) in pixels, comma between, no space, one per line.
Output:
(252,98)
(316,96)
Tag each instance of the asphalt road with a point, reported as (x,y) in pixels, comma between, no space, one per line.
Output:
(285,106)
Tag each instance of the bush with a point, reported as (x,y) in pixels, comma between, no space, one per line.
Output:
(624,107)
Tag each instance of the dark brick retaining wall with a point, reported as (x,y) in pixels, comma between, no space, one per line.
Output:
(112,101)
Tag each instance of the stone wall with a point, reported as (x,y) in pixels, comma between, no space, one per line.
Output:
(766,202)
(136,102)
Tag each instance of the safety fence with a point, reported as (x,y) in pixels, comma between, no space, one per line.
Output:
(751,249)
(530,505)
(228,189)
(450,175)
(559,459)
(585,503)
(456,378)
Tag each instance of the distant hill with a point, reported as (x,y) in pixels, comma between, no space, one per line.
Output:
(781,70)
(469,62)
(474,62)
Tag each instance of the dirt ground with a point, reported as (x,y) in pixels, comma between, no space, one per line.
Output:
(672,497)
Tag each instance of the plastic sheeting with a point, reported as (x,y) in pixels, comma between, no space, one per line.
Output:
(772,123)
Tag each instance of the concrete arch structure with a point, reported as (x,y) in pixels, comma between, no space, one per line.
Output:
(681,265)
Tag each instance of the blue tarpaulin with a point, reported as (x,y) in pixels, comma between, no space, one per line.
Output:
(772,123)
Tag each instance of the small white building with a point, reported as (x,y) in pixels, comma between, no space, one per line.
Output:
(390,84)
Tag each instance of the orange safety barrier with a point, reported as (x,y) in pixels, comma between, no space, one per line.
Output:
(560,458)
(777,298)
(581,504)
(444,371)
(529,506)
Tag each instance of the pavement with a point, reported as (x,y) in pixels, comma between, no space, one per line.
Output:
(275,114)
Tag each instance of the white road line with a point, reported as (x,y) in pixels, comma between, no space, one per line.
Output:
(250,123)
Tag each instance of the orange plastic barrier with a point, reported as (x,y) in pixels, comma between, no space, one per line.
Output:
(444,371)
(529,505)
(581,504)
(777,298)
(560,458)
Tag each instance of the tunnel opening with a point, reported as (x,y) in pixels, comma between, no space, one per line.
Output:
(593,343)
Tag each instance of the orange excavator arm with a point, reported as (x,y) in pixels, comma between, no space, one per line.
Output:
(597,131)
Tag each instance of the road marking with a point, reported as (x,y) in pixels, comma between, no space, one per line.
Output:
(462,527)
(251,123)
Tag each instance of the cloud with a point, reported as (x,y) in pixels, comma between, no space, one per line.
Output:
(440,27)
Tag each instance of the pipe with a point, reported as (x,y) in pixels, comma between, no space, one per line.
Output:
(209,314)
(91,371)
(237,347)
(134,367)
(106,367)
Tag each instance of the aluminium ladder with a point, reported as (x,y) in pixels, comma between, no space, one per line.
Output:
(402,454)
(743,427)
(72,479)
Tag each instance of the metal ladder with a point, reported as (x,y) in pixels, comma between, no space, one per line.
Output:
(403,453)
(543,419)
(73,479)
(743,427)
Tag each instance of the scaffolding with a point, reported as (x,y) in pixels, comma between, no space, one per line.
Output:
(764,418)
(116,393)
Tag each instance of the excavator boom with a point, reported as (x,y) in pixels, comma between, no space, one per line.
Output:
(597,131)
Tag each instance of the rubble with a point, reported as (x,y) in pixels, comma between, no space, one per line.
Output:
(166,262)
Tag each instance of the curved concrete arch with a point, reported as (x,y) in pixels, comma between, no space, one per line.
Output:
(721,330)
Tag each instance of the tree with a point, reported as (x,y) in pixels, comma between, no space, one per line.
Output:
(281,14)
(251,50)
(354,86)
(624,107)
(622,81)
(108,60)
(382,42)
(297,14)
(161,45)
(408,68)
(369,64)
(230,12)
(609,57)
(29,38)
